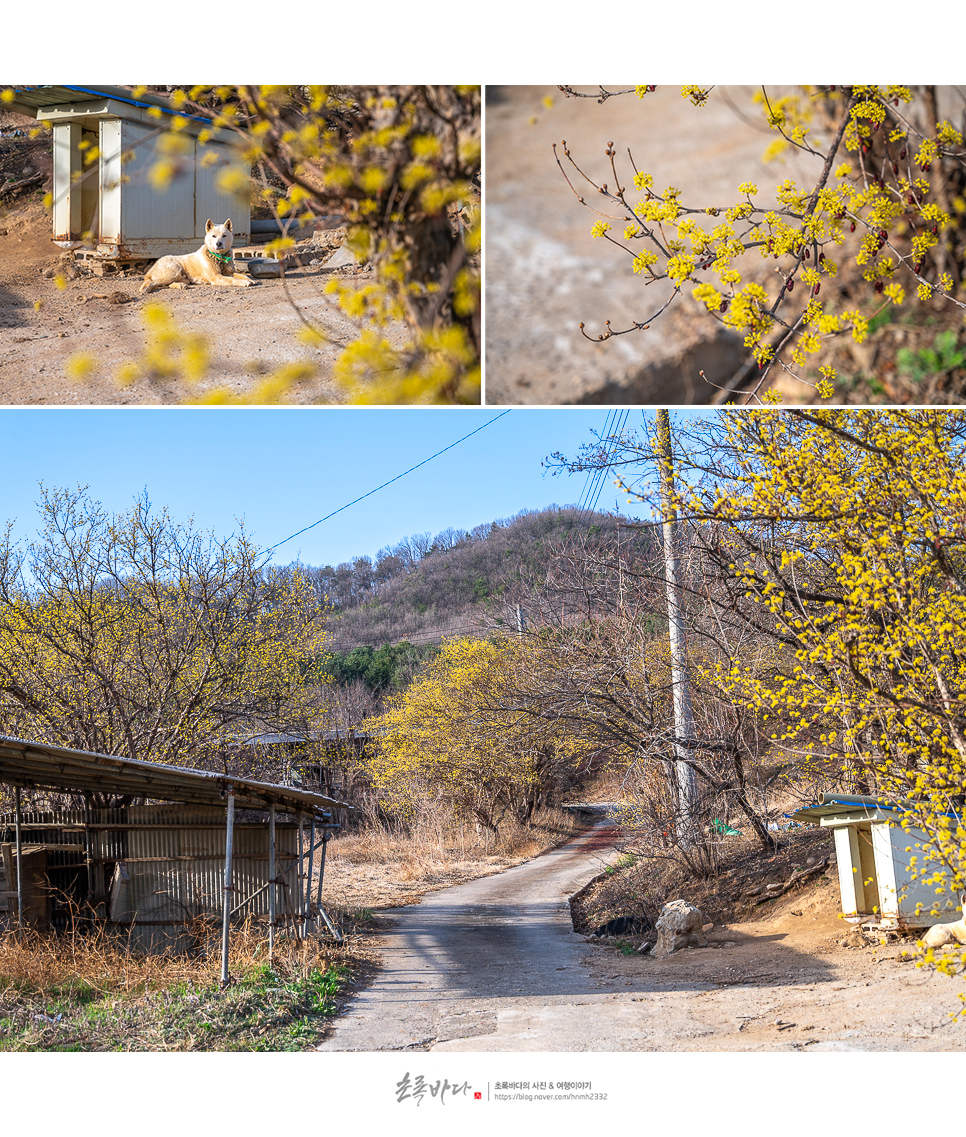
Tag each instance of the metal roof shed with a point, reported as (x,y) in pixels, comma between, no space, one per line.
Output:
(27,764)
(114,201)
(874,852)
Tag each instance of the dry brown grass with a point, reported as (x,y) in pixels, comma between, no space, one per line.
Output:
(382,868)
(432,845)
(102,962)
(86,991)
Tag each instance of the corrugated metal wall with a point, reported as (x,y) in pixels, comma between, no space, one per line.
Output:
(137,219)
(158,868)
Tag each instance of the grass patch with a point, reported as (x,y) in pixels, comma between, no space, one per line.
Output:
(87,993)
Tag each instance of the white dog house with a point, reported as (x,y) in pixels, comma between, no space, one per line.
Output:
(874,853)
(112,207)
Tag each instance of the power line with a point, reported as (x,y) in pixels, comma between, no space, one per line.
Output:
(613,426)
(278,544)
(617,427)
(593,477)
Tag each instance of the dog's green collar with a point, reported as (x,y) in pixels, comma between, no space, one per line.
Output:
(223,258)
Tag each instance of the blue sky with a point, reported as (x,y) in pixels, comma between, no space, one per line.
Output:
(281,469)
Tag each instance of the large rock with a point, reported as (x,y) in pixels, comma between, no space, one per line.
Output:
(679,925)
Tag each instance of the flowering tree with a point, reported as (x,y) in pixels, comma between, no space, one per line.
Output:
(883,216)
(461,732)
(846,531)
(134,635)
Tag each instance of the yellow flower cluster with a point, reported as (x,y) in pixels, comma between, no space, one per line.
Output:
(878,215)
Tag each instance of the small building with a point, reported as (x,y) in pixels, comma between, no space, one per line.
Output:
(877,880)
(159,870)
(114,200)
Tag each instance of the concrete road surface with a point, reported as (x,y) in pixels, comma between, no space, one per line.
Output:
(494,965)
(476,967)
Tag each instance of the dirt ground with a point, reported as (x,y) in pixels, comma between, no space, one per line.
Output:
(786,981)
(787,975)
(249,332)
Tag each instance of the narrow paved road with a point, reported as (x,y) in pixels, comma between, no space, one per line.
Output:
(494,965)
(474,961)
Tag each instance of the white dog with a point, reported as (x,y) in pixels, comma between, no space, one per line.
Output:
(954,933)
(211,264)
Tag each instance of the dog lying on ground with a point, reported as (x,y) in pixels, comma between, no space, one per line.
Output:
(211,264)
(955,933)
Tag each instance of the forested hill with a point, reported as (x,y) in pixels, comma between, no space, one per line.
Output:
(427,587)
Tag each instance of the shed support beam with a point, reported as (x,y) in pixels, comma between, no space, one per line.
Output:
(17,822)
(300,886)
(325,841)
(309,869)
(336,934)
(272,887)
(226,908)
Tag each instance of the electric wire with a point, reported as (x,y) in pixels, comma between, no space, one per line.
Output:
(328,516)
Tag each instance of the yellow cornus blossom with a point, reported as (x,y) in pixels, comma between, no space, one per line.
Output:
(878,201)
(459,728)
(844,534)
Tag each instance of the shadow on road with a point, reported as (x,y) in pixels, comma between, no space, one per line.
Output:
(440,952)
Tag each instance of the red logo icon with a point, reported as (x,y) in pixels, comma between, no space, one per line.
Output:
(478,1096)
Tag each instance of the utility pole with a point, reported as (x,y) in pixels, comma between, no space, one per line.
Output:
(683,720)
